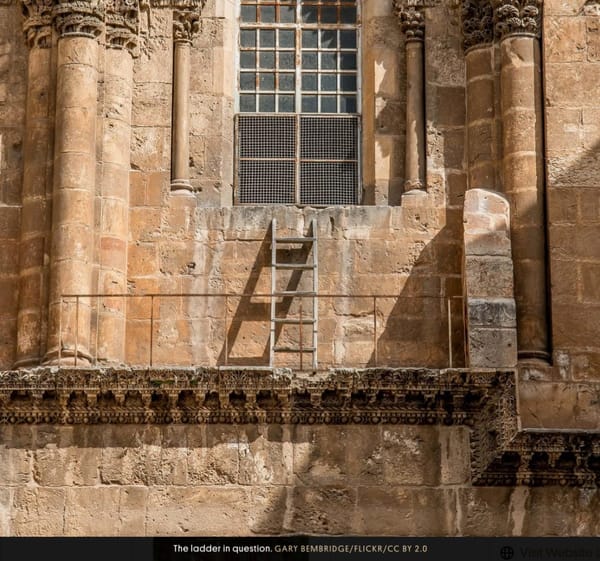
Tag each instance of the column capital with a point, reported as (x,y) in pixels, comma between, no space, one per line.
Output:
(79,18)
(37,22)
(122,25)
(186,24)
(411,15)
(518,17)
(477,23)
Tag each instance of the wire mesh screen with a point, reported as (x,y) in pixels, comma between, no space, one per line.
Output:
(312,160)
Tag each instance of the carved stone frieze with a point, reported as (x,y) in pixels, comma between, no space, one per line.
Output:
(518,17)
(477,19)
(37,22)
(122,25)
(79,18)
(186,23)
(411,15)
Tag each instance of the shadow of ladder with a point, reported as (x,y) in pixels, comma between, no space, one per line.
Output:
(277,243)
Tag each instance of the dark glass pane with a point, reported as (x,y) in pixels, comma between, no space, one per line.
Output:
(287,60)
(348,104)
(287,39)
(266,81)
(249,14)
(328,61)
(348,15)
(348,39)
(248,81)
(287,82)
(348,61)
(267,59)
(310,39)
(309,82)
(286,103)
(267,14)
(266,103)
(309,103)
(309,60)
(348,82)
(287,14)
(329,82)
(248,38)
(328,15)
(247,103)
(267,38)
(328,39)
(328,104)
(309,14)
(247,59)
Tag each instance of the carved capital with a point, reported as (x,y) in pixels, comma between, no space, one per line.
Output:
(122,25)
(37,22)
(517,17)
(79,18)
(477,19)
(186,23)
(411,14)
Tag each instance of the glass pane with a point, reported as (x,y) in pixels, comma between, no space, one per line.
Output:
(309,103)
(348,39)
(266,103)
(328,14)
(328,39)
(287,14)
(248,14)
(348,15)
(287,39)
(348,82)
(267,14)
(267,81)
(309,14)
(328,104)
(287,60)
(248,38)
(267,38)
(286,103)
(348,104)
(310,39)
(328,61)
(247,103)
(248,81)
(309,82)
(348,61)
(329,82)
(248,59)
(309,60)
(267,59)
(287,82)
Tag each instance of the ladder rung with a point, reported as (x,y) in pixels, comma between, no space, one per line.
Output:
(295,240)
(294,293)
(294,350)
(294,265)
(294,321)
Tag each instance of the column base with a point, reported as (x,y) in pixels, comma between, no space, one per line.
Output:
(26,363)
(67,358)
(413,197)
(181,187)
(534,357)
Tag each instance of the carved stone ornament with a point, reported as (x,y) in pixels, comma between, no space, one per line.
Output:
(122,25)
(477,18)
(411,14)
(518,17)
(79,18)
(37,22)
(484,401)
(179,4)
(186,23)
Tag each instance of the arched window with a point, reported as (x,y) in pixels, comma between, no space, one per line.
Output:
(297,124)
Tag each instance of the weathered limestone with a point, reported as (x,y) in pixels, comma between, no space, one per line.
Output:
(488,281)
(78,25)
(35,218)
(523,167)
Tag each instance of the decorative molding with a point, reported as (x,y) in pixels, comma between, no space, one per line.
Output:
(186,23)
(411,15)
(477,19)
(122,25)
(179,4)
(79,18)
(37,22)
(518,17)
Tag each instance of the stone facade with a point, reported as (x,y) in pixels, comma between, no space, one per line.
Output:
(459,312)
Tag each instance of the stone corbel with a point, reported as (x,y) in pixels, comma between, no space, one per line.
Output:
(79,18)
(37,22)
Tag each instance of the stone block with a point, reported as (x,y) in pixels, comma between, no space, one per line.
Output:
(39,511)
(491,312)
(142,259)
(492,347)
(10,217)
(564,39)
(455,467)
(214,457)
(15,466)
(590,282)
(484,511)
(91,511)
(586,366)
(489,277)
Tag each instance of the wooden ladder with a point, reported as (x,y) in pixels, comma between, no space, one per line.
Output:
(277,243)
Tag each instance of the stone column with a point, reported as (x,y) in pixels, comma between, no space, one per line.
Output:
(186,23)
(478,35)
(78,23)
(35,216)
(412,21)
(518,22)
(121,43)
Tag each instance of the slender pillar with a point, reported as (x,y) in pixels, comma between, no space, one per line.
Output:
(37,26)
(519,24)
(412,22)
(78,24)
(186,23)
(121,43)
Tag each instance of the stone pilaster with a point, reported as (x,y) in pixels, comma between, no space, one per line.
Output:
(35,223)
(78,24)
(411,14)
(518,23)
